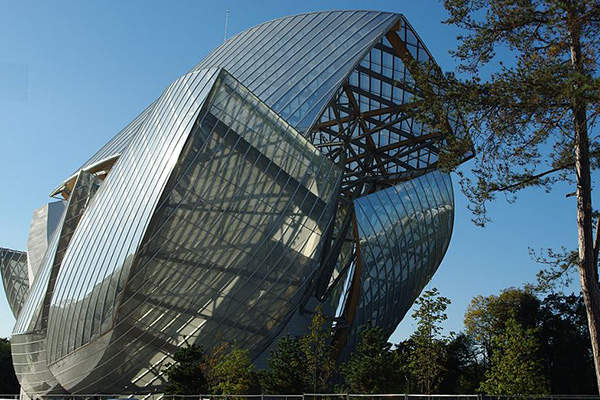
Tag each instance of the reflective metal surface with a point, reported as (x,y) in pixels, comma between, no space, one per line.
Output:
(29,336)
(285,172)
(44,222)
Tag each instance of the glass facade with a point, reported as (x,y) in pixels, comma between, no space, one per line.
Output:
(285,171)
(404,232)
(13,267)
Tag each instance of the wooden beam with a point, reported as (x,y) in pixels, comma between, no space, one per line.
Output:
(401,143)
(371,113)
(370,142)
(349,311)
(414,68)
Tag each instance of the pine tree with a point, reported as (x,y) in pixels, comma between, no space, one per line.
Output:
(527,99)
(286,372)
(187,373)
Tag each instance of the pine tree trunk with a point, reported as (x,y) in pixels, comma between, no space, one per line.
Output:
(587,274)
(587,263)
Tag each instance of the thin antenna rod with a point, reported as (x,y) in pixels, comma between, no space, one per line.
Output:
(226,22)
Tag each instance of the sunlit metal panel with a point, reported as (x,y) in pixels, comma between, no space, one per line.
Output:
(293,64)
(97,262)
(29,336)
(44,222)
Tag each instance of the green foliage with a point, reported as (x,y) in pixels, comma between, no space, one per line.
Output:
(516,364)
(521,116)
(464,372)
(559,324)
(317,350)
(373,367)
(565,342)
(534,346)
(403,353)
(8,379)
(429,355)
(187,374)
(486,317)
(286,373)
(233,373)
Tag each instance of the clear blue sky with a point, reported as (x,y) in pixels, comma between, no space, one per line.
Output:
(73,73)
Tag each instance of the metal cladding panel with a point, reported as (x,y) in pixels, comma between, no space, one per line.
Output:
(231,247)
(35,311)
(31,366)
(404,233)
(120,141)
(96,263)
(13,267)
(293,64)
(29,335)
(44,222)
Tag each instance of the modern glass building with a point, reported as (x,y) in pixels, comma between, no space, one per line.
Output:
(284,172)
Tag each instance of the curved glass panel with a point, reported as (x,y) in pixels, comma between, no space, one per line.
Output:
(13,266)
(233,242)
(404,233)
(44,223)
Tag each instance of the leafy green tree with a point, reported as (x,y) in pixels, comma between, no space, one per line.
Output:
(428,358)
(233,373)
(8,379)
(565,345)
(187,373)
(373,367)
(317,353)
(486,317)
(286,372)
(516,364)
(533,119)
(464,371)
(559,324)
(403,353)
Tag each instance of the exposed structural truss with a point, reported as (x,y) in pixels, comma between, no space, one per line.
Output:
(371,125)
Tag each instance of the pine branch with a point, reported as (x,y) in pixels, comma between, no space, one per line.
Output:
(532,178)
